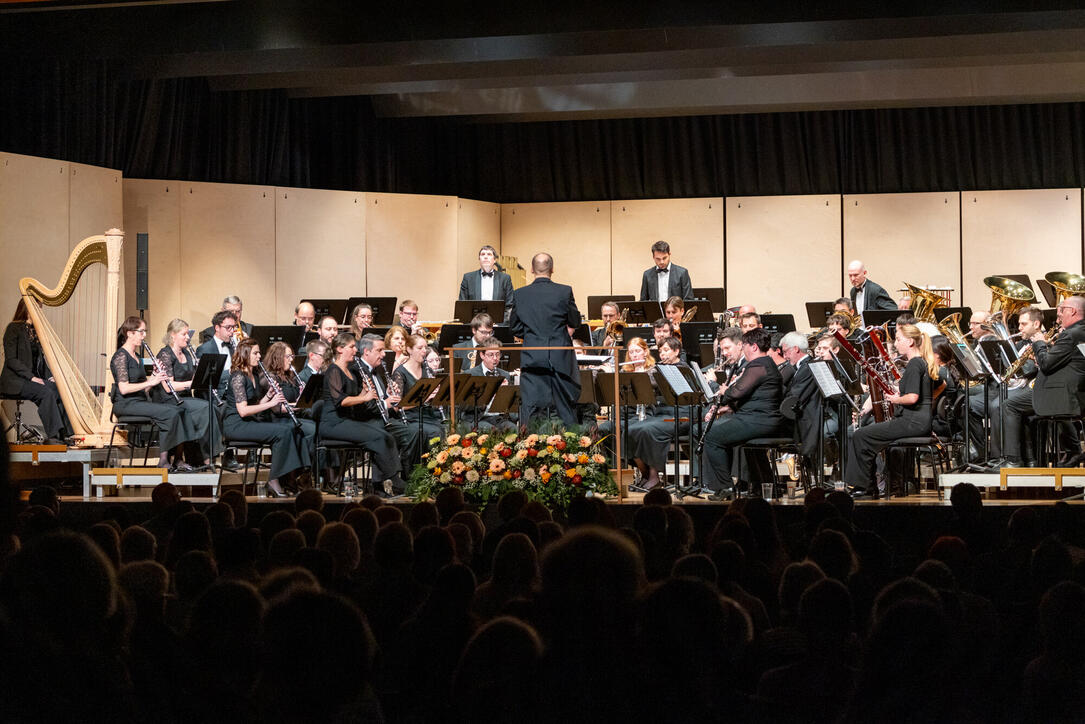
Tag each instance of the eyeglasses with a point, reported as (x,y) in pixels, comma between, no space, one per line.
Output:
(229,326)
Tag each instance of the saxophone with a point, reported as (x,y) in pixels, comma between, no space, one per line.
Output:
(1026,353)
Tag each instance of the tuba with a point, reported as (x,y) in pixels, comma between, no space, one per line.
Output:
(1008,296)
(924,302)
(1066,285)
(950,327)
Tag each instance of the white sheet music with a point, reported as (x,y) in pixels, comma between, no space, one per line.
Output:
(706,388)
(674,378)
(825,379)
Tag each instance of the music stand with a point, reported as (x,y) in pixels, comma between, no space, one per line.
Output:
(314,387)
(943,312)
(1000,354)
(291,334)
(634,388)
(416,397)
(506,401)
(704,310)
(642,312)
(443,398)
(451,335)
(384,309)
(818,313)
(826,378)
(677,391)
(336,308)
(646,333)
(595,303)
(587,388)
(467,309)
(583,333)
(696,335)
(878,317)
(206,378)
(705,352)
(1048,290)
(477,390)
(510,358)
(782,323)
(1050,317)
(716,296)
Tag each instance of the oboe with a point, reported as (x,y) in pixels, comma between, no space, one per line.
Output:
(275,388)
(214,392)
(367,381)
(160,369)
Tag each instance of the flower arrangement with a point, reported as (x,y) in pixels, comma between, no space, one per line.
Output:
(552,469)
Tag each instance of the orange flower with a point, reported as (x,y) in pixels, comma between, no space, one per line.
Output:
(582,458)
(507,475)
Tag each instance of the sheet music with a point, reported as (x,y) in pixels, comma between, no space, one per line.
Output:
(674,379)
(706,388)
(825,379)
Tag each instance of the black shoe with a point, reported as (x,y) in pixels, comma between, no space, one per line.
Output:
(231,465)
(721,495)
(862,493)
(182,467)
(54,441)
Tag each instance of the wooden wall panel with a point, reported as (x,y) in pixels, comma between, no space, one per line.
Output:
(227,247)
(319,247)
(912,238)
(411,251)
(1018,232)
(693,228)
(154,208)
(96,202)
(783,251)
(478,224)
(576,234)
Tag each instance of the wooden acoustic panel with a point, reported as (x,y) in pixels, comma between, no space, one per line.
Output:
(411,251)
(693,228)
(783,251)
(1029,232)
(227,248)
(912,238)
(319,247)
(154,208)
(576,234)
(478,223)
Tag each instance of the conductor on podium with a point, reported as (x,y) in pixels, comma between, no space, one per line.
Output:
(543,315)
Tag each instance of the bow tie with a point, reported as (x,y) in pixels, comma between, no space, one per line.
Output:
(662,271)
(487,273)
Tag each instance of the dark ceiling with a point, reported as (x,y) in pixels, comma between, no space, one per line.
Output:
(533,61)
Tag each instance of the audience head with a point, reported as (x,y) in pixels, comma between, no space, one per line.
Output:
(309,523)
(138,544)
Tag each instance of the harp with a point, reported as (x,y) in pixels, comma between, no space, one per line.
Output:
(76,325)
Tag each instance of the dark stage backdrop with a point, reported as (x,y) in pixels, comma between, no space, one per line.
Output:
(179,129)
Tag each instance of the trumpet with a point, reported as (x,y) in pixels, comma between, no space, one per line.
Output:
(160,369)
(278,390)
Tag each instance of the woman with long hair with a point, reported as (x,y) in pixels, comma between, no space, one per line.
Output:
(26,375)
(248,417)
(913,409)
(133,393)
(361,318)
(396,340)
(179,360)
(279,362)
(407,375)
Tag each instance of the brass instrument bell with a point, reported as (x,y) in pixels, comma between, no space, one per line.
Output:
(1008,296)
(1067,284)
(924,302)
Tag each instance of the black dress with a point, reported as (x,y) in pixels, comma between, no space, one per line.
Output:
(651,439)
(359,424)
(168,417)
(910,421)
(288,451)
(23,361)
(198,415)
(291,393)
(432,424)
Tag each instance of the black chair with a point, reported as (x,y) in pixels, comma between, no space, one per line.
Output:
(1048,447)
(134,427)
(912,451)
(23,432)
(347,450)
(773,447)
(252,450)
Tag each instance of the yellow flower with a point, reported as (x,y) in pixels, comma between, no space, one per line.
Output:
(483,450)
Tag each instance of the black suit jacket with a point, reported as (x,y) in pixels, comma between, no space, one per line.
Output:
(874,297)
(1060,376)
(18,359)
(480,371)
(208,333)
(806,397)
(471,286)
(678,285)
(543,313)
(462,350)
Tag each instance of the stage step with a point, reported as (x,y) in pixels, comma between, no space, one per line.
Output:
(1006,478)
(117,479)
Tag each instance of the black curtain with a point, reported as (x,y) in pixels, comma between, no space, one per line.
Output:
(179,129)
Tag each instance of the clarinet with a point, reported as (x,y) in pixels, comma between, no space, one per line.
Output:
(299,380)
(713,408)
(214,392)
(160,369)
(367,380)
(274,386)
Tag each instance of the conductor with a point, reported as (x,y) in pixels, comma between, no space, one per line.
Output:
(543,314)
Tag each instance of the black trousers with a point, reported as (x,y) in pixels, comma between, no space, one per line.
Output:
(867,442)
(727,432)
(47,398)
(372,436)
(542,391)
(288,449)
(168,418)
(1018,407)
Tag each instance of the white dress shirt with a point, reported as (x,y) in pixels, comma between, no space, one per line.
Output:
(487,286)
(663,284)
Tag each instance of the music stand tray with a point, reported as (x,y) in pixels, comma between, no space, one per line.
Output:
(716,296)
(595,303)
(878,317)
(384,309)
(314,387)
(419,392)
(506,400)
(208,369)
(451,335)
(782,323)
(634,388)
(338,308)
(943,312)
(818,313)
(587,388)
(291,334)
(642,312)
(583,333)
(466,309)
(695,335)
(1048,291)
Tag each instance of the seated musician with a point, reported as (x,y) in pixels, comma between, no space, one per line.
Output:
(729,359)
(912,410)
(26,376)
(649,440)
(482,329)
(1060,376)
(368,364)
(488,366)
(232,305)
(843,306)
(131,394)
(408,316)
(748,321)
(249,418)
(983,408)
(406,375)
(279,362)
(396,340)
(304,315)
(609,313)
(747,408)
(327,329)
(179,360)
(638,358)
(1018,406)
(314,359)
(674,310)
(838,323)
(223,325)
(947,427)
(433,361)
(776,352)
(361,318)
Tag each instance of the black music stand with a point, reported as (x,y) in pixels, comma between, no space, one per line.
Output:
(943,312)
(510,358)
(314,387)
(587,388)
(716,296)
(337,308)
(595,303)
(451,335)
(642,312)
(206,378)
(677,391)
(646,333)
(467,309)
(384,309)
(833,389)
(818,313)
(1000,354)
(1050,317)
(267,334)
(634,388)
(703,312)
(443,398)
(970,372)
(696,335)
(416,397)
(878,317)
(1048,291)
(477,390)
(506,402)
(583,333)
(782,323)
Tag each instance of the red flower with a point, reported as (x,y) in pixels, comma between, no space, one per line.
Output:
(506,452)
(458,480)
(560,445)
(577,480)
(532,452)
(465,442)
(516,473)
